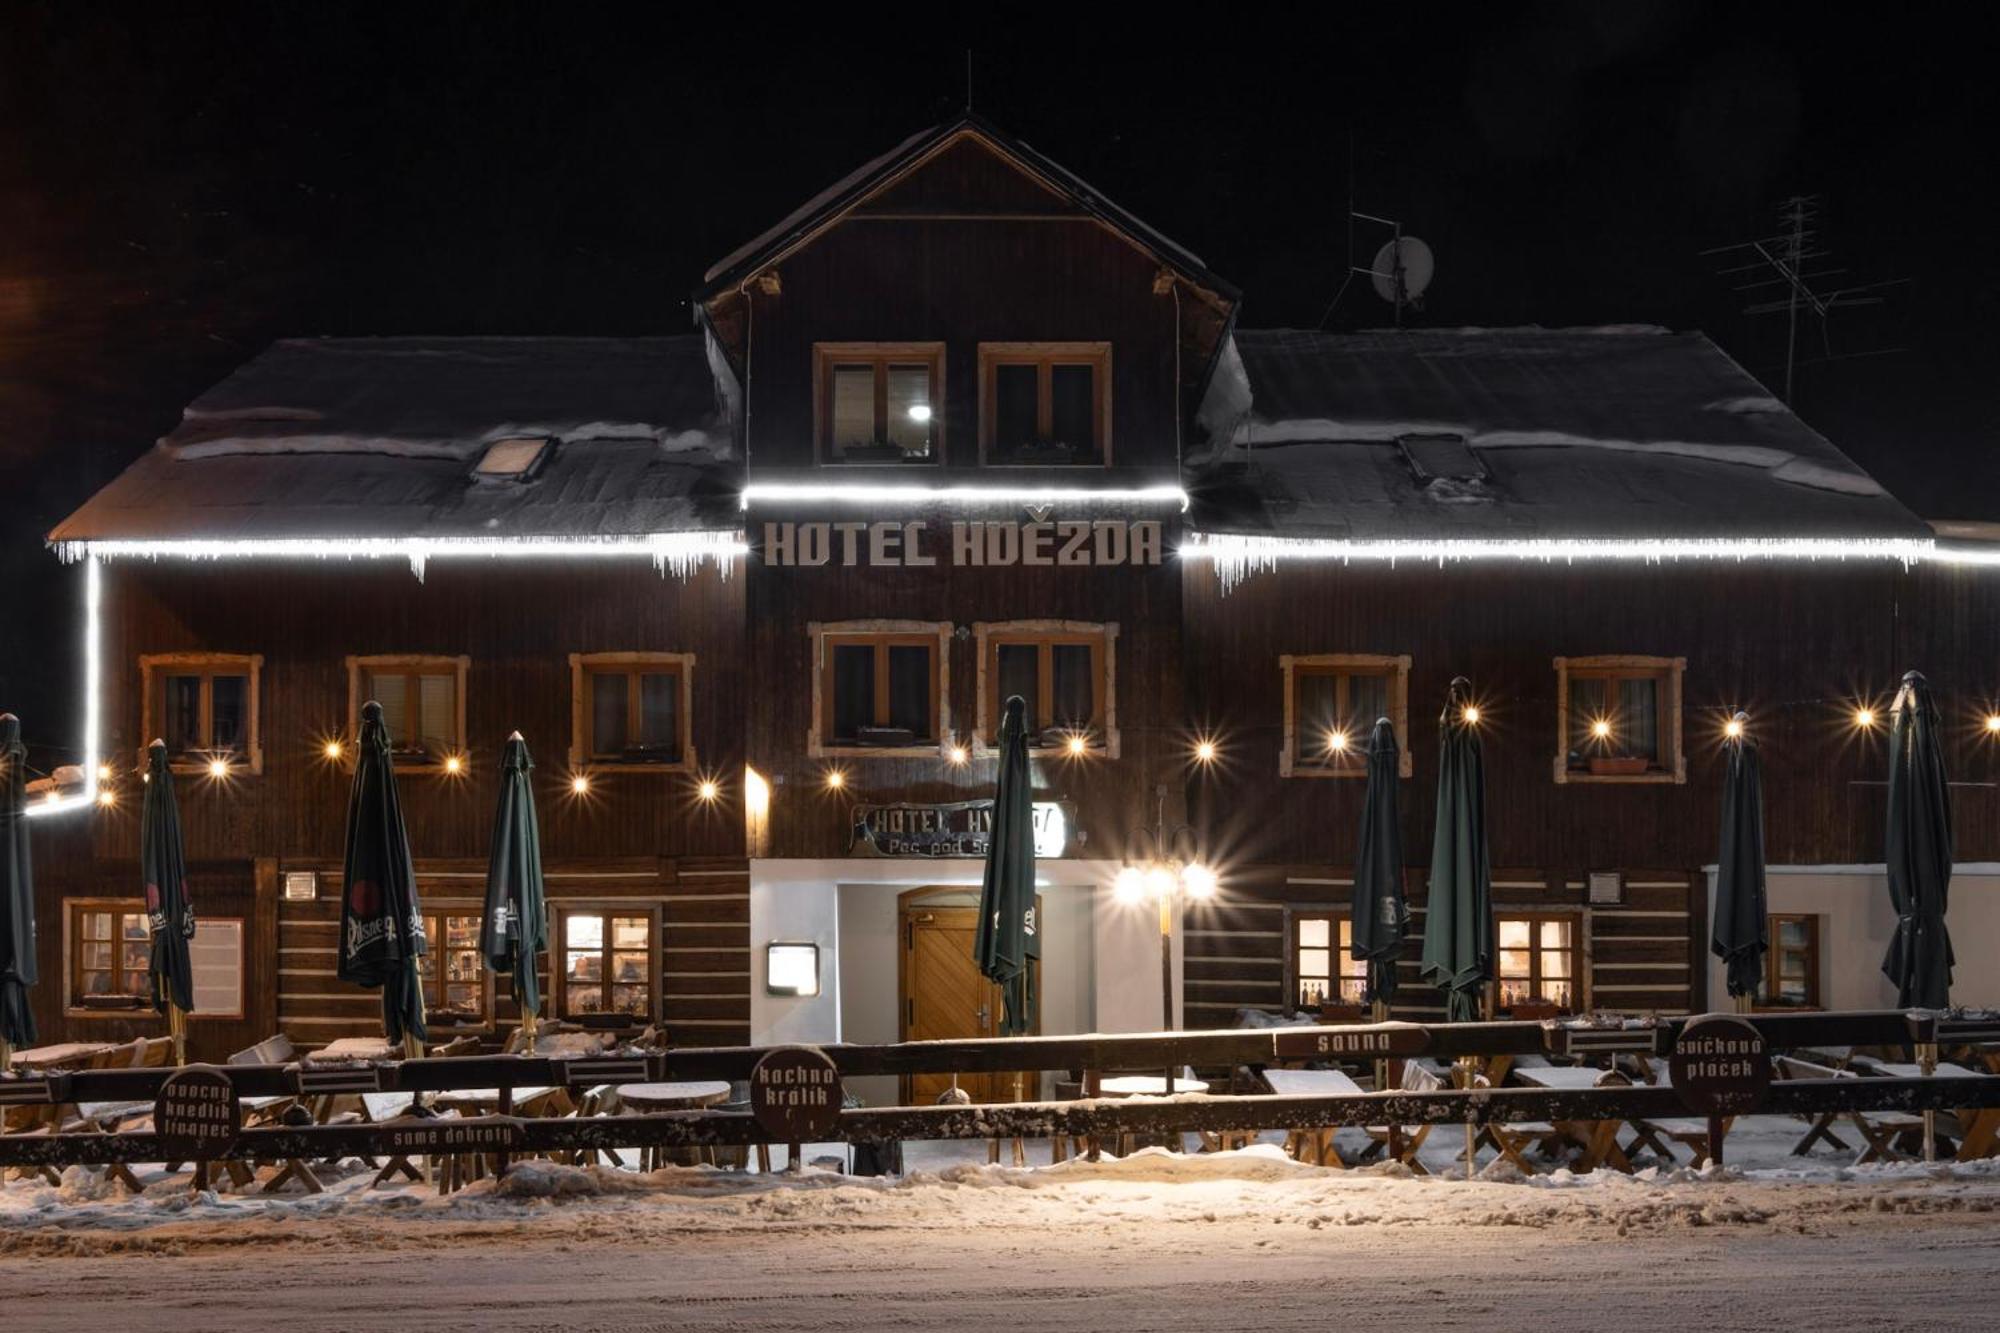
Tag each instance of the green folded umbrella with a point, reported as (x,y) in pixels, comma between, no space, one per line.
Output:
(1381,914)
(18,972)
(514,929)
(1008,938)
(1458,920)
(169,908)
(1741,933)
(381,921)
(1918,850)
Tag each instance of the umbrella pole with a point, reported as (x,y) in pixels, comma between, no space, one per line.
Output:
(1379,1012)
(1167,975)
(177,1029)
(529,1021)
(6,1056)
(1927,1059)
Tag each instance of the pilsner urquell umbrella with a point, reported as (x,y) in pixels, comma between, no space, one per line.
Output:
(516,920)
(1918,850)
(169,908)
(1380,912)
(381,924)
(1007,938)
(1741,936)
(17,896)
(1458,925)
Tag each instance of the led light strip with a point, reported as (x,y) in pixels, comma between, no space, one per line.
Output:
(863,493)
(679,552)
(93,597)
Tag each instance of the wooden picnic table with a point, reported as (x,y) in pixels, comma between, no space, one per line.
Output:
(1598,1138)
(1981,1136)
(1146,1085)
(345,1050)
(647,1098)
(62,1055)
(1313,1145)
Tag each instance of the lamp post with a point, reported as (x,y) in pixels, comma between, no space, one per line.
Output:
(1164,866)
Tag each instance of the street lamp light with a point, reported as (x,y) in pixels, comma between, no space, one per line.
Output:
(1165,867)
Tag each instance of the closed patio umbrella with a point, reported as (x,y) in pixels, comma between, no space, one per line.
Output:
(1741,936)
(515,925)
(1458,925)
(169,908)
(1008,940)
(381,923)
(1380,912)
(18,972)
(1918,849)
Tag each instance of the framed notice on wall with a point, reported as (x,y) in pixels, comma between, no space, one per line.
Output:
(216,951)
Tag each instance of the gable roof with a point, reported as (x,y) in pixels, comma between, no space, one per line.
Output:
(1628,432)
(377,438)
(825,208)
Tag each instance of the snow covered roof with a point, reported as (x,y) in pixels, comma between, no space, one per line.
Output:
(379,437)
(1619,432)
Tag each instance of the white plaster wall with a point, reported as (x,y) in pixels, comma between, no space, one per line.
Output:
(1856,925)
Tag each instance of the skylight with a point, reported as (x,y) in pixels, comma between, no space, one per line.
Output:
(1441,458)
(512,460)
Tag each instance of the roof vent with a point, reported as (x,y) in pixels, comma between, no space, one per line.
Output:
(515,459)
(1441,458)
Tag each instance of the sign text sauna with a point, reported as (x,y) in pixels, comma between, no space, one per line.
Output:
(918,543)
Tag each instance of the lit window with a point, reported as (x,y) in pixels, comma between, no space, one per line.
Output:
(880,688)
(110,955)
(1322,971)
(1331,704)
(1620,719)
(879,402)
(512,460)
(1062,671)
(1045,403)
(204,706)
(1791,965)
(631,708)
(423,704)
(607,963)
(1537,963)
(454,971)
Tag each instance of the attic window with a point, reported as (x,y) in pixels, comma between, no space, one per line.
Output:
(1441,458)
(512,460)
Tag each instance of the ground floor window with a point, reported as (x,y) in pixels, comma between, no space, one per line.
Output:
(1537,963)
(454,973)
(1322,971)
(608,961)
(110,954)
(1791,966)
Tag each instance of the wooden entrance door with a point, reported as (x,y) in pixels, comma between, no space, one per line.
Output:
(944,996)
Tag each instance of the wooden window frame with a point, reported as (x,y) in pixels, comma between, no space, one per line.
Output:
(1294,758)
(1102,636)
(155,667)
(1337,916)
(1669,671)
(824,636)
(436,912)
(416,664)
(880,355)
(1579,963)
(1043,356)
(558,953)
(1815,956)
(582,719)
(74,910)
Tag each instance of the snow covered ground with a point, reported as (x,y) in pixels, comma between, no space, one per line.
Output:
(1238,1240)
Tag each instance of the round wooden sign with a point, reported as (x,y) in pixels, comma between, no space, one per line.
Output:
(1720,1065)
(795,1094)
(197,1114)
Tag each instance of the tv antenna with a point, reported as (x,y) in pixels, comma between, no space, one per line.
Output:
(1400,272)
(1793,260)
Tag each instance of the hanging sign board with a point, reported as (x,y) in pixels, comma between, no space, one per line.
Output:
(959,828)
(197,1114)
(795,1094)
(1720,1066)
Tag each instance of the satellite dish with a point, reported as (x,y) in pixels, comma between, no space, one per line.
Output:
(1418,266)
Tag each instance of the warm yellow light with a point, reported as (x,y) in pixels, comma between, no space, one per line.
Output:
(835,779)
(1471,715)
(959,754)
(1160,882)
(756,794)
(454,764)
(1078,743)
(580,785)
(1993,724)
(107,797)
(708,790)
(1601,728)
(1199,881)
(1733,728)
(1864,717)
(1130,886)
(1204,751)
(52,796)
(104,772)
(332,751)
(218,768)
(1336,741)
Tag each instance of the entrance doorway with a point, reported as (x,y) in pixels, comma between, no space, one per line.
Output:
(943,996)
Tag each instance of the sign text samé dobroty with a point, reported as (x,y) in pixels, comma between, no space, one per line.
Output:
(916,544)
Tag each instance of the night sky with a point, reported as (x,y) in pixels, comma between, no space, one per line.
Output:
(181,184)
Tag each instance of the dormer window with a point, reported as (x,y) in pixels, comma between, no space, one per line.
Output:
(1441,458)
(515,459)
(878,402)
(1045,404)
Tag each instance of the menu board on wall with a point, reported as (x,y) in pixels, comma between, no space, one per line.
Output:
(216,951)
